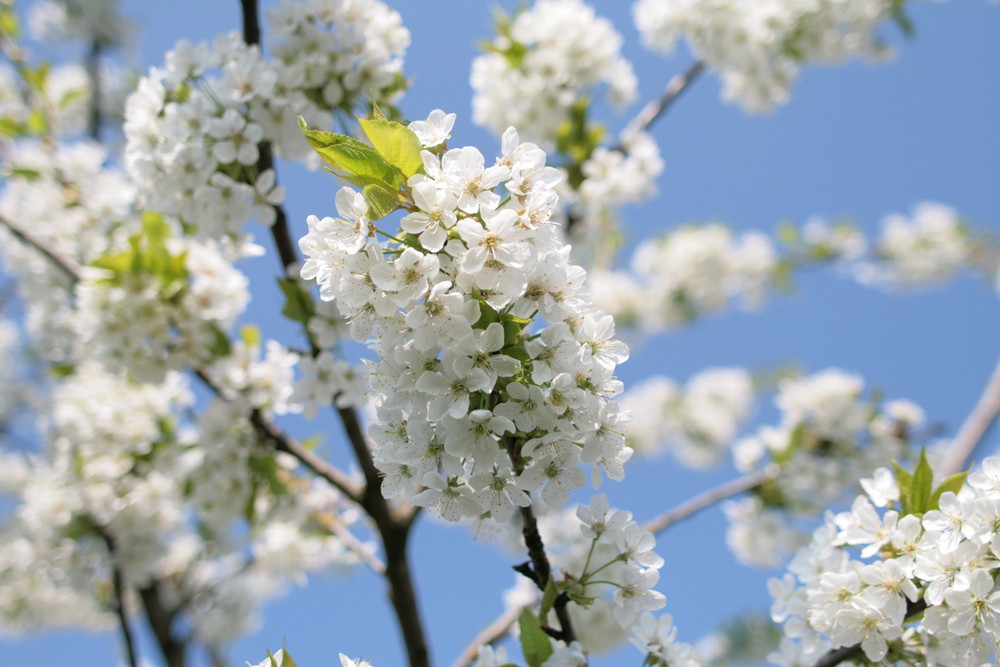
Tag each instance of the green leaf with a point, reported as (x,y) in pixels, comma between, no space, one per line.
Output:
(10,128)
(534,642)
(788,234)
(358,159)
(548,598)
(953,484)
(512,328)
(352,157)
(71,96)
(26,174)
(381,200)
(8,22)
(37,78)
(902,19)
(795,443)
(119,265)
(36,124)
(250,335)
(923,478)
(904,481)
(220,345)
(487,315)
(299,306)
(395,142)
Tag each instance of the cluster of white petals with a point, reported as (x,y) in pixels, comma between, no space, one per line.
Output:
(926,248)
(126,485)
(868,572)
(548,58)
(87,21)
(608,565)
(829,437)
(686,274)
(494,376)
(758,47)
(193,127)
(696,423)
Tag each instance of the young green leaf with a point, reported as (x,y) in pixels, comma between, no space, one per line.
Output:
(904,481)
(395,142)
(359,163)
(923,478)
(953,484)
(381,200)
(548,598)
(299,306)
(535,643)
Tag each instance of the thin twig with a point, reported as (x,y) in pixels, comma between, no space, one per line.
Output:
(494,632)
(708,498)
(118,586)
(283,442)
(656,108)
(975,426)
(68,267)
(358,547)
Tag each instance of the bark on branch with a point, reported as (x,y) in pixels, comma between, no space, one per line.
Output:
(708,498)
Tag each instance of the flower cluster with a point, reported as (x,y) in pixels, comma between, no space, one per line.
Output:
(476,401)
(611,178)
(927,248)
(193,128)
(828,438)
(697,423)
(904,547)
(759,46)
(545,61)
(609,569)
(686,274)
(127,485)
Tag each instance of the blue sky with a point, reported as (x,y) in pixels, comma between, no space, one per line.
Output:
(856,140)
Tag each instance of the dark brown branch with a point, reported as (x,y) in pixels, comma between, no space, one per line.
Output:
(539,570)
(118,587)
(393,527)
(93,65)
(839,655)
(708,498)
(494,632)
(161,620)
(983,415)
(68,267)
(650,113)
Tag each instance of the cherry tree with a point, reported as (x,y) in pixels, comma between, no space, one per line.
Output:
(452,323)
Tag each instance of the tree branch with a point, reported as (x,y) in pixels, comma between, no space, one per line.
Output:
(983,415)
(118,587)
(161,620)
(68,267)
(493,632)
(283,442)
(708,498)
(539,570)
(93,66)
(650,113)
(393,527)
